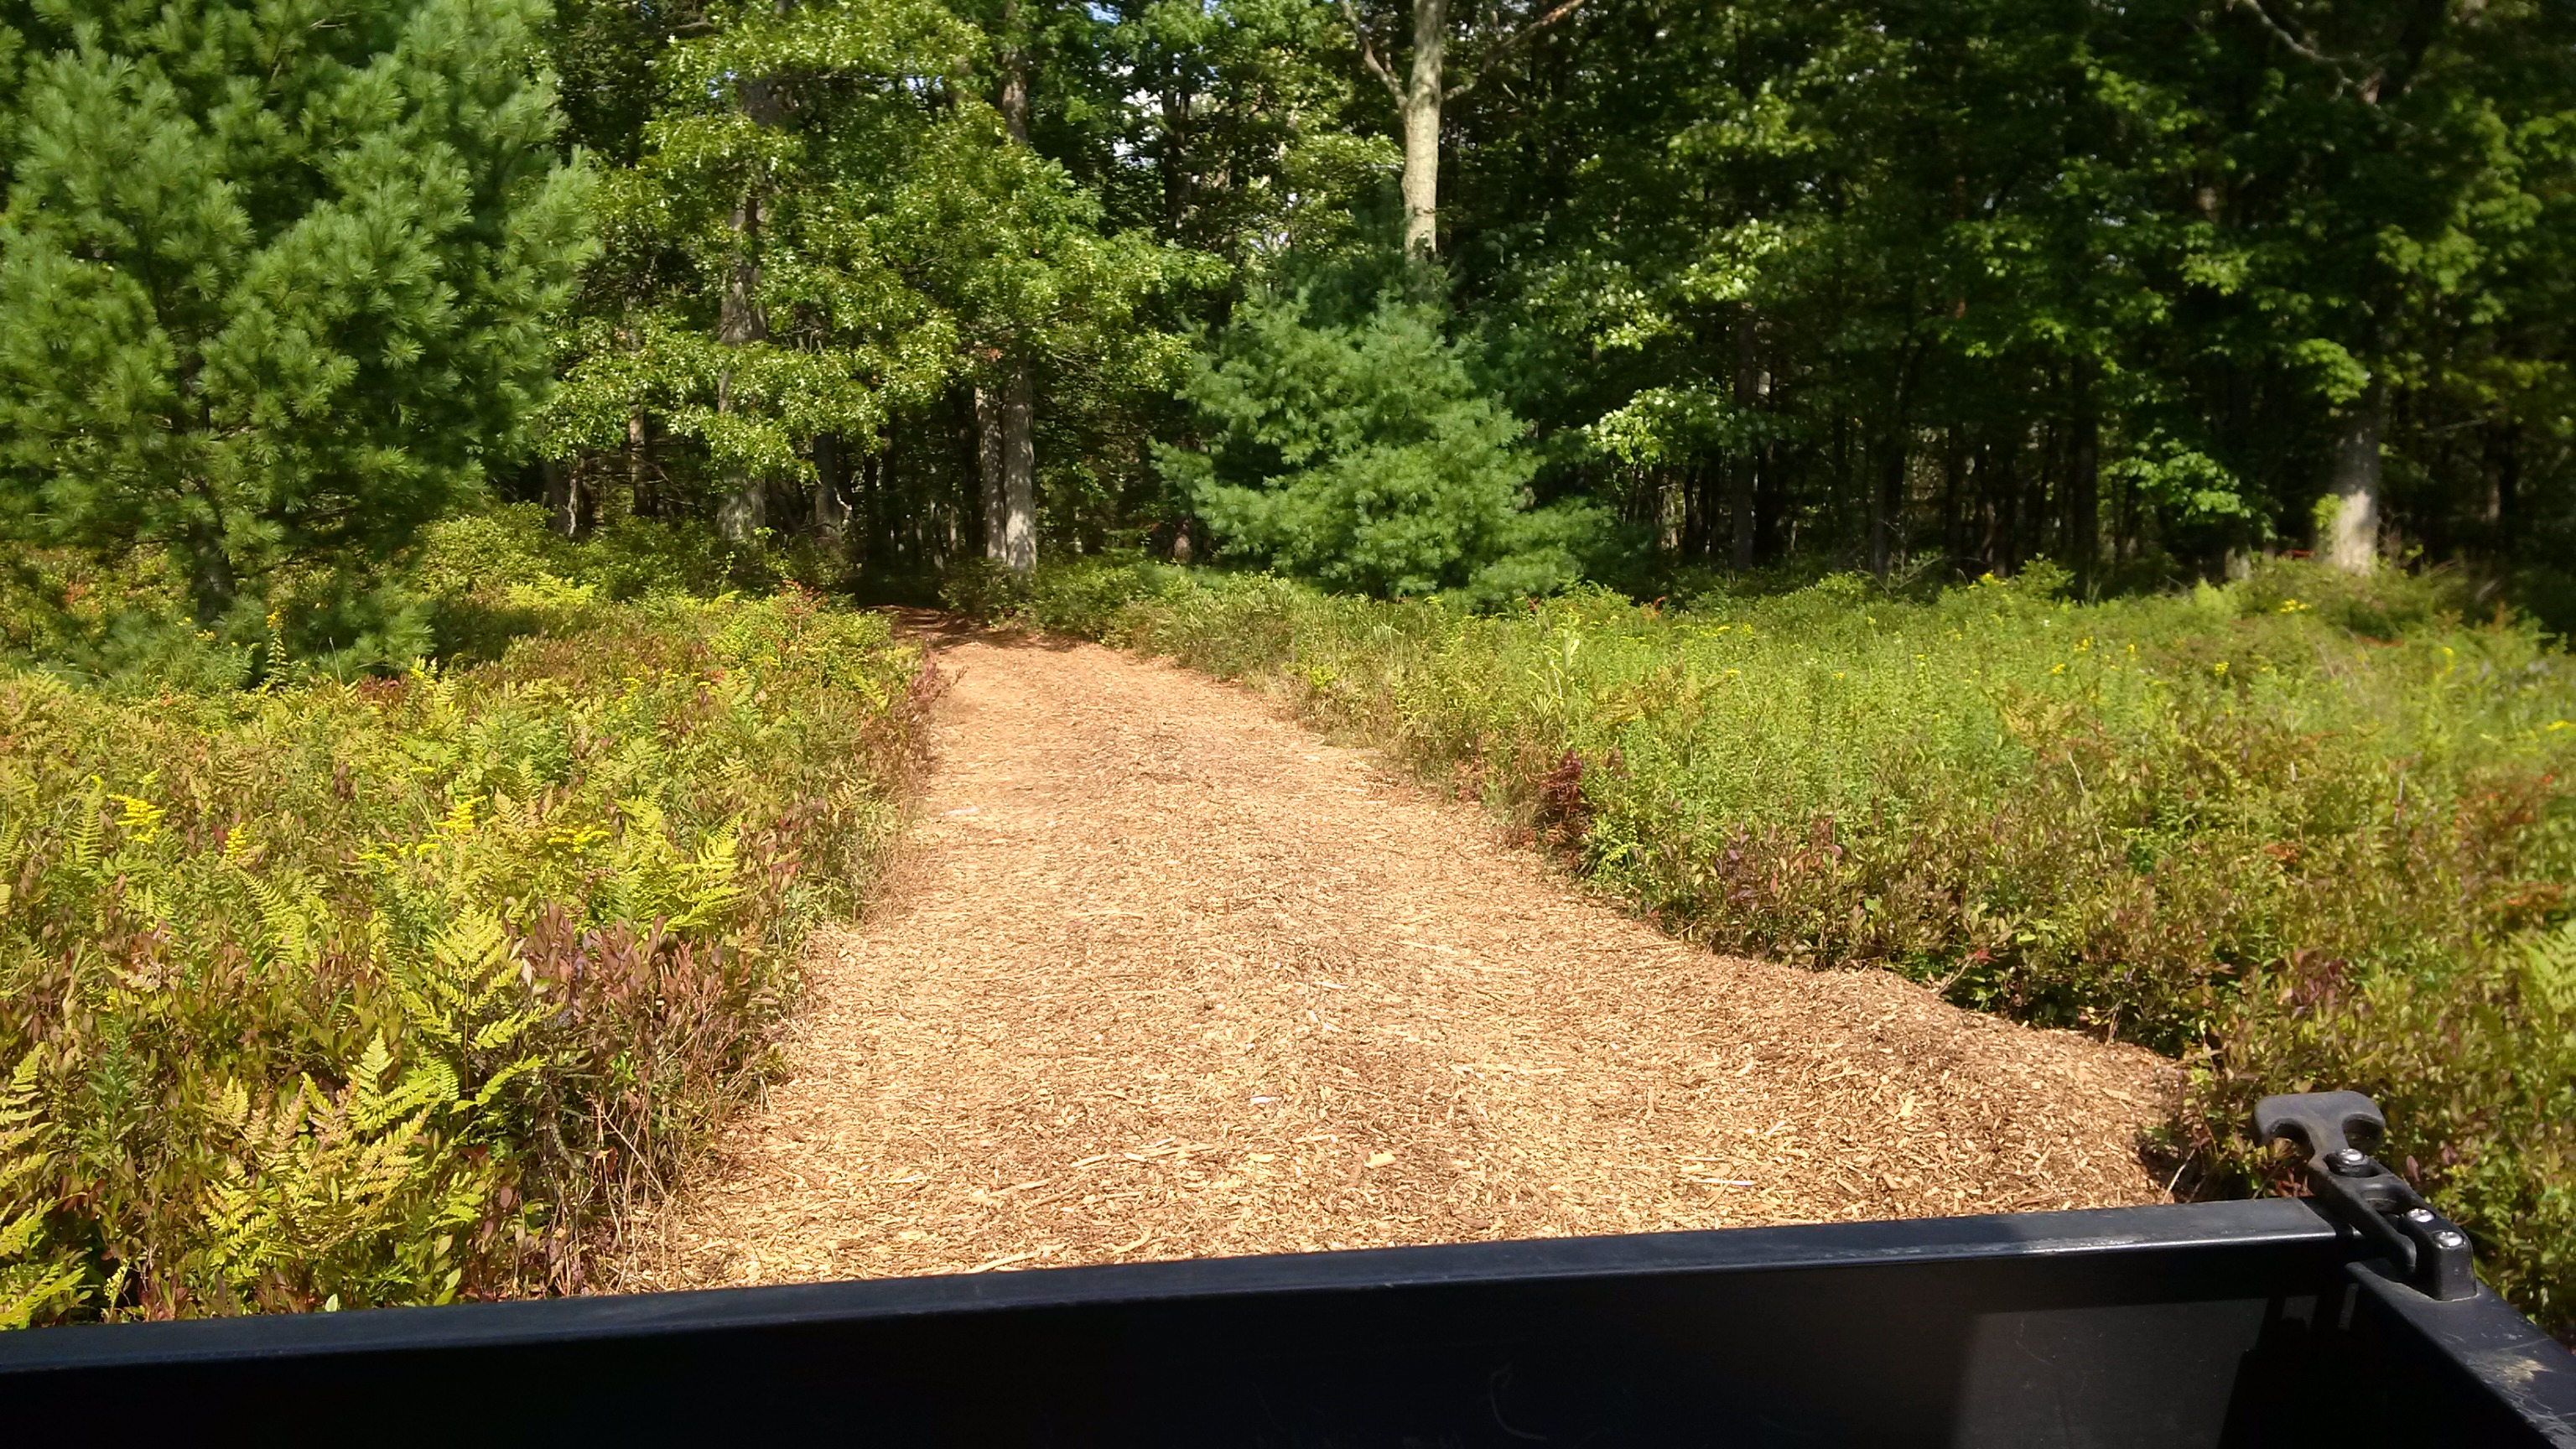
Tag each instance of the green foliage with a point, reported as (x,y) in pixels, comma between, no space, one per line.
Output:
(1365,456)
(274,281)
(2222,823)
(397,991)
(823,233)
(984,588)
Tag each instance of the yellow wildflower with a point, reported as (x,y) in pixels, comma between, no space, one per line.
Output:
(140,819)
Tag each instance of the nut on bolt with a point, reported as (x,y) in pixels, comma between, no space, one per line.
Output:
(2419,1215)
(2446,1239)
(2348,1161)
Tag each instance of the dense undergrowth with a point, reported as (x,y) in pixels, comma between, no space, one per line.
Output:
(396,989)
(2303,831)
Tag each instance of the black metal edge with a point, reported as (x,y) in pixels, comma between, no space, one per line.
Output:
(2526,1372)
(2215,1225)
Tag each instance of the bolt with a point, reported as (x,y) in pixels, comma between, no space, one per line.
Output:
(2419,1215)
(2348,1161)
(2446,1239)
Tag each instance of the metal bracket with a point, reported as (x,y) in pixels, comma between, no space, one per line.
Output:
(2358,1192)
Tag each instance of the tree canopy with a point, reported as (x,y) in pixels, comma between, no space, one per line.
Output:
(883,287)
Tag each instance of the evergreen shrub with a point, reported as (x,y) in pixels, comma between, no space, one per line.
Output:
(1366,457)
(274,287)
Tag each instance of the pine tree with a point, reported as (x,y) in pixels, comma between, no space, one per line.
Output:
(274,277)
(1366,456)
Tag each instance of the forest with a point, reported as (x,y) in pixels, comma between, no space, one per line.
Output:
(1873,286)
(442,442)
(1610,291)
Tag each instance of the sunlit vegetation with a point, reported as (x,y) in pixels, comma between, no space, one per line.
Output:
(2300,831)
(400,989)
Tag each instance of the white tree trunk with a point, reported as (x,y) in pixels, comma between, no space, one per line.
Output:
(1422,128)
(2352,539)
(1019,471)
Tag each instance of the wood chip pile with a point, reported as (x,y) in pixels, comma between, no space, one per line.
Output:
(1163,975)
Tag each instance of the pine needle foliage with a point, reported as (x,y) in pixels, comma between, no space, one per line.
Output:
(274,277)
(1363,455)
(400,991)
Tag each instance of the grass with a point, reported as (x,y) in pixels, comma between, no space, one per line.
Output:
(2302,832)
(400,989)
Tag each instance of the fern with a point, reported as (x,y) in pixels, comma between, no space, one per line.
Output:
(2549,973)
(82,841)
(313,891)
(31,1278)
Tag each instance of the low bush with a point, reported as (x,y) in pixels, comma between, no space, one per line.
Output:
(330,994)
(2302,831)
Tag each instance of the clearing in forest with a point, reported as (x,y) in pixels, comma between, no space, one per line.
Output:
(1160,974)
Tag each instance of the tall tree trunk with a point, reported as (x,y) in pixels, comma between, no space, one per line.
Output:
(2352,538)
(2504,483)
(1743,469)
(1020,471)
(831,497)
(2084,479)
(1422,128)
(988,472)
(210,577)
(1006,416)
(1696,527)
(1954,480)
(1174,162)
(639,460)
(1887,500)
(1887,503)
(740,322)
(567,502)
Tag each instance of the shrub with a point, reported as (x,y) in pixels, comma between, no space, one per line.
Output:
(2305,834)
(272,282)
(1366,457)
(395,991)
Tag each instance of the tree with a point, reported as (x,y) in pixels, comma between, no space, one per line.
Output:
(1243,111)
(1364,455)
(829,228)
(1426,87)
(274,278)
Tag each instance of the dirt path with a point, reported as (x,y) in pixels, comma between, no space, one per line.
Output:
(1162,975)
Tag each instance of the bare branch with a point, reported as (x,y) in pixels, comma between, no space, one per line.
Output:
(1368,54)
(1496,52)
(2282,34)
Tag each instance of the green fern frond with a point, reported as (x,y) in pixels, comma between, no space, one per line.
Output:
(2549,971)
(27,1289)
(82,840)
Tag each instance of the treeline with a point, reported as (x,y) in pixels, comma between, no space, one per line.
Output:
(1403,297)
(2140,288)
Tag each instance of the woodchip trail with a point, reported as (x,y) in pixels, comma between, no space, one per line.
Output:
(1161,974)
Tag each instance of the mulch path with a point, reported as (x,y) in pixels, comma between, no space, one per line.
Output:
(1162,974)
